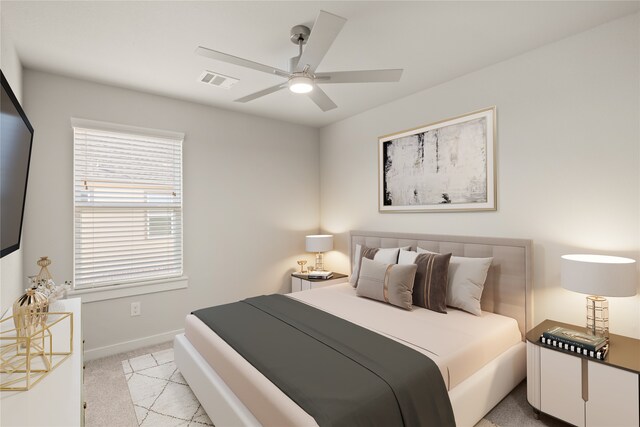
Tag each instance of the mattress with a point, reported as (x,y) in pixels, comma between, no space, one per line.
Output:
(458,342)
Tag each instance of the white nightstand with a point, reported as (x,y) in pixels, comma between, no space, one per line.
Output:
(302,283)
(581,390)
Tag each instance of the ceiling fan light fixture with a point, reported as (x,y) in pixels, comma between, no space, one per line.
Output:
(300,84)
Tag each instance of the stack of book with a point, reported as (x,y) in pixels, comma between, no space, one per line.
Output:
(320,274)
(576,342)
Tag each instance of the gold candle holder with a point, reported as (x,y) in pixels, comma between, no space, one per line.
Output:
(44,274)
(302,263)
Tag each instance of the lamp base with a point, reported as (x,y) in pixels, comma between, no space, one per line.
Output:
(598,315)
(319,262)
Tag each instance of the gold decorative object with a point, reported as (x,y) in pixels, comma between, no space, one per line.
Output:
(44,274)
(27,359)
(301,263)
(29,312)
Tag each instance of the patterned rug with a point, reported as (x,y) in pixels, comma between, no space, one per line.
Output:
(160,395)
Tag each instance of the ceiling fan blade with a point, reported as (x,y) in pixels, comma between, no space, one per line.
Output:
(324,32)
(230,59)
(261,93)
(362,76)
(321,99)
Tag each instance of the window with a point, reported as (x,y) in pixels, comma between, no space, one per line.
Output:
(127,204)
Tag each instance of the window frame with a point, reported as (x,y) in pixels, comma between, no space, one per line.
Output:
(135,286)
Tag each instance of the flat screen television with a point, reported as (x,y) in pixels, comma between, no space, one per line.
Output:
(16,138)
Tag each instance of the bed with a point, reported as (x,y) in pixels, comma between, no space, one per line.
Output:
(481,359)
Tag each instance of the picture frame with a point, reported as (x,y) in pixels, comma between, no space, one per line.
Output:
(446,166)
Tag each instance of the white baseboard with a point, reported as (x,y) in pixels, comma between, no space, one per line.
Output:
(122,347)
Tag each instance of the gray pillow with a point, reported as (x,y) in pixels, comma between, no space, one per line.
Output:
(390,283)
(430,285)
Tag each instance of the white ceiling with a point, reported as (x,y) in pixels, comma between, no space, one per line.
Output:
(149,46)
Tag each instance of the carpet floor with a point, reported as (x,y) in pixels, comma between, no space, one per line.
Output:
(110,404)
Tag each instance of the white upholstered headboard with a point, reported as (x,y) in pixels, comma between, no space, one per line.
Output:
(508,289)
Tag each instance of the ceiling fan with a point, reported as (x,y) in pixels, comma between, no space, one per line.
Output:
(301,77)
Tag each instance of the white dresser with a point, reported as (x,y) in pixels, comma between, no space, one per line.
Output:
(57,399)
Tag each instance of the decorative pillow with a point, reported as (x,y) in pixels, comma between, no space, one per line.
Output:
(407,257)
(385,255)
(430,284)
(390,283)
(360,253)
(466,282)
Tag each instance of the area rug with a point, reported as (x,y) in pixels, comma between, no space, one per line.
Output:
(160,395)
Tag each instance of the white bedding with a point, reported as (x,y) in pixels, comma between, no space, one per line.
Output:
(458,342)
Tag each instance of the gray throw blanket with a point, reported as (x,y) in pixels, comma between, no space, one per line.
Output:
(338,372)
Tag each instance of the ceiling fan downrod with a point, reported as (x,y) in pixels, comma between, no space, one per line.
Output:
(299,36)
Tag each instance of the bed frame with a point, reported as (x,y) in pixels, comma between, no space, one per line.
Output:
(507,292)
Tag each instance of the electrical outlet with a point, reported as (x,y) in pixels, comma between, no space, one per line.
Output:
(135,309)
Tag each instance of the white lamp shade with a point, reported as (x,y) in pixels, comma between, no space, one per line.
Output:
(319,243)
(600,275)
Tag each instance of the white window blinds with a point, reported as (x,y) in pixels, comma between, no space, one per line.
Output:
(128,207)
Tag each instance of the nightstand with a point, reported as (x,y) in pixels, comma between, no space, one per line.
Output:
(581,390)
(300,282)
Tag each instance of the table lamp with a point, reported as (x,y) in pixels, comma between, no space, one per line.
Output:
(598,276)
(319,243)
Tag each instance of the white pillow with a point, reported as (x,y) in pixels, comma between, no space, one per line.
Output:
(466,282)
(384,255)
(407,257)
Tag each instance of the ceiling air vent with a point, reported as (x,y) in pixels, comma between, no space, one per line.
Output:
(216,79)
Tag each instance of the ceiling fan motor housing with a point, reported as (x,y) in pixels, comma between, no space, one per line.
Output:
(300,32)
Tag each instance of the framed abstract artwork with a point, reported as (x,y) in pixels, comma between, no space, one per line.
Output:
(442,167)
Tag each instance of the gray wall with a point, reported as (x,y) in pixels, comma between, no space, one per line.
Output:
(11,282)
(250,196)
(568,161)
